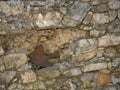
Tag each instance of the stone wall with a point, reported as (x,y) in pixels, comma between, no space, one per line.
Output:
(86,33)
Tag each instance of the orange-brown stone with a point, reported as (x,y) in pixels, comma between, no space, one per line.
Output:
(103,78)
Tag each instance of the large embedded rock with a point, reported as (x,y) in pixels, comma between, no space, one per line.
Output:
(84,50)
(28,76)
(109,40)
(14,60)
(49,73)
(7,76)
(94,67)
(100,18)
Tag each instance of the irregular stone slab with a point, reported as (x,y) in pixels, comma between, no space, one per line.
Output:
(109,40)
(49,73)
(100,18)
(84,50)
(14,60)
(6,77)
(28,76)
(114,4)
(1,51)
(73,72)
(94,67)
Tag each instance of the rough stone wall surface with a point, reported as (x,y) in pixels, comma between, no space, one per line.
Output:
(86,33)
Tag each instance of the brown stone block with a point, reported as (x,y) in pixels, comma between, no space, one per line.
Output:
(103,78)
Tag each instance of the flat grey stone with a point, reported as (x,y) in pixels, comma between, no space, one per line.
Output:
(109,40)
(112,15)
(94,67)
(6,77)
(14,60)
(73,72)
(1,51)
(114,4)
(95,2)
(49,72)
(28,76)
(78,9)
(100,18)
(114,26)
(86,49)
